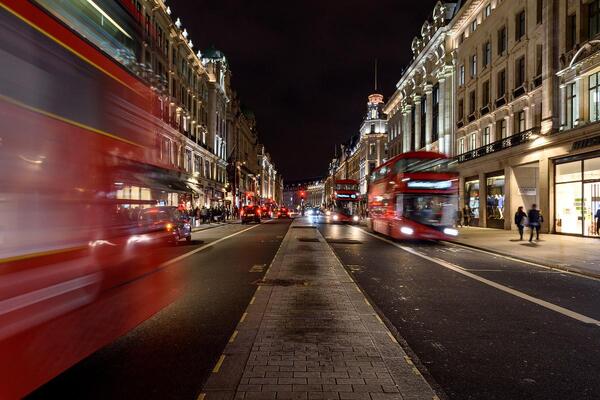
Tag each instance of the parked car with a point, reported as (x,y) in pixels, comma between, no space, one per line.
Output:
(250,214)
(163,224)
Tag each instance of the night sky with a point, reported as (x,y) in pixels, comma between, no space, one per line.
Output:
(305,68)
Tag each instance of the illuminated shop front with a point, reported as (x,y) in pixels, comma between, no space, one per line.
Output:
(495,199)
(577,194)
(472,200)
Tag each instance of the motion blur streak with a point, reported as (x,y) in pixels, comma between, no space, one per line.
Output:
(80,133)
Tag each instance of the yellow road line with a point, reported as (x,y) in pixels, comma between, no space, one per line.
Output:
(233,336)
(201,396)
(244,315)
(219,364)
(392,337)
(252,300)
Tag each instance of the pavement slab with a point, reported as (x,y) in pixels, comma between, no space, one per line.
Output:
(310,333)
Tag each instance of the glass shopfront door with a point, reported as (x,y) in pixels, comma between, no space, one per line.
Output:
(495,201)
(471,210)
(577,196)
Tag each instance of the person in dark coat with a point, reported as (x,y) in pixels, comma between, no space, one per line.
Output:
(520,217)
(459,218)
(535,219)
(597,218)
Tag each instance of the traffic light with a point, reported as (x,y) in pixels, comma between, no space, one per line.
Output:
(302,194)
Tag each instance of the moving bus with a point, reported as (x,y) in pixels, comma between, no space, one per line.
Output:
(80,132)
(414,196)
(345,201)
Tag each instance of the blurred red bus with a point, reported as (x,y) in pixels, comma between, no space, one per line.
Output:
(80,131)
(414,196)
(344,200)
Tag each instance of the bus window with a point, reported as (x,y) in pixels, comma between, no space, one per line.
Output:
(423,165)
(429,209)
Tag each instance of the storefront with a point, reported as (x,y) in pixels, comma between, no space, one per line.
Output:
(472,200)
(577,194)
(495,199)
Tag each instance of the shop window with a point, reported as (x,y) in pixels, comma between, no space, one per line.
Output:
(591,169)
(495,201)
(471,209)
(594,93)
(569,203)
(594,18)
(568,172)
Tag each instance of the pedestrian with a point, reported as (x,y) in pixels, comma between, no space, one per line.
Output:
(597,218)
(520,220)
(535,219)
(204,213)
(459,218)
(467,215)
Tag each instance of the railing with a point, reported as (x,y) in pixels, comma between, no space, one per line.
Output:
(498,145)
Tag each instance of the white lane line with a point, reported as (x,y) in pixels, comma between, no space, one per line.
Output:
(506,289)
(562,271)
(199,249)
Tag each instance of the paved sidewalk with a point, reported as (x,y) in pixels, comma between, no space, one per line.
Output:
(570,253)
(309,333)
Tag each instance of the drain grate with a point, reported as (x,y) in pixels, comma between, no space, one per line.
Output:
(313,240)
(343,241)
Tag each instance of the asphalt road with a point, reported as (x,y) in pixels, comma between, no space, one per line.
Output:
(483,326)
(201,299)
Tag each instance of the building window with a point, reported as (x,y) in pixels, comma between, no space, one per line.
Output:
(461,75)
(372,128)
(461,145)
(474,65)
(487,138)
(488,10)
(571,31)
(423,141)
(502,40)
(435,105)
(487,54)
(571,110)
(500,129)
(461,38)
(520,25)
(539,11)
(485,93)
(371,149)
(594,84)
(520,72)
(472,102)
(474,25)
(594,18)
(520,121)
(501,83)
(461,109)
(473,141)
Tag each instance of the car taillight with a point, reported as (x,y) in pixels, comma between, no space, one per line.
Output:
(169,227)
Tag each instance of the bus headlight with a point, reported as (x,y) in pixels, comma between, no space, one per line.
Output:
(328,213)
(450,232)
(355,218)
(406,230)
(335,217)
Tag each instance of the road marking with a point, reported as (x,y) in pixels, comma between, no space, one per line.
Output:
(233,336)
(378,318)
(219,363)
(244,315)
(199,249)
(408,360)
(367,301)
(392,337)
(506,289)
(357,288)
(258,288)
(201,396)
(253,299)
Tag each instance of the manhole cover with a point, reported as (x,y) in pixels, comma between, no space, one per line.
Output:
(308,240)
(304,227)
(282,282)
(343,241)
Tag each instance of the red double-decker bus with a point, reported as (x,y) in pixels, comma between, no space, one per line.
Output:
(414,196)
(344,201)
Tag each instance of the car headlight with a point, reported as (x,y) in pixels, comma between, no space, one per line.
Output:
(406,230)
(335,217)
(355,218)
(328,213)
(450,232)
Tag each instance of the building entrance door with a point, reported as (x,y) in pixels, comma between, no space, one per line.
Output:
(591,204)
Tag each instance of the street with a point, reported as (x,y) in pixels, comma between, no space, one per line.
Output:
(477,325)
(169,355)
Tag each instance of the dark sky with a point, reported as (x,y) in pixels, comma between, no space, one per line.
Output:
(306,67)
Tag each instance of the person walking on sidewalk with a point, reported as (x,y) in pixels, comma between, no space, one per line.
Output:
(520,217)
(535,218)
(459,218)
(597,218)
